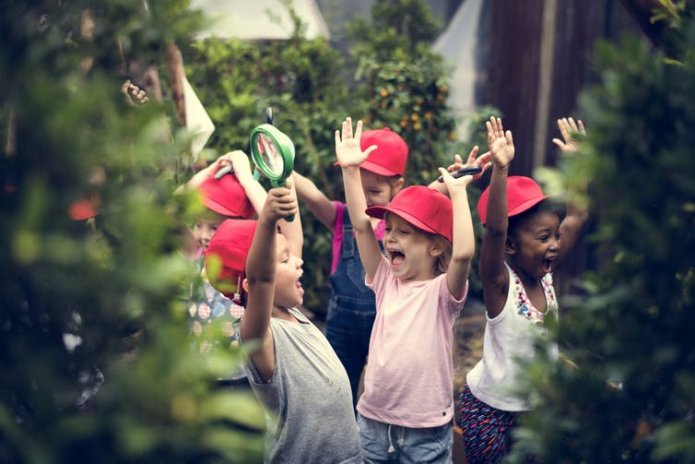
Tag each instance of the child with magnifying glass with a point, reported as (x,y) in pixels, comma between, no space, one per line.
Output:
(292,369)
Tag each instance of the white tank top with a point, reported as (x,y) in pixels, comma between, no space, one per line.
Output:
(509,337)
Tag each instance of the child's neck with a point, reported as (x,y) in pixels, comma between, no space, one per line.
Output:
(284,314)
(532,287)
(527,280)
(419,278)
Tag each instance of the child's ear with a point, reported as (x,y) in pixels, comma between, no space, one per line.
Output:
(509,246)
(397,185)
(245,285)
(436,249)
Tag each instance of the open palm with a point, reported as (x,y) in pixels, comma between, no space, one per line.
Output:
(568,127)
(500,143)
(347,146)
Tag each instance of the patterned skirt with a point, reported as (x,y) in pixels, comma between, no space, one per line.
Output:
(486,430)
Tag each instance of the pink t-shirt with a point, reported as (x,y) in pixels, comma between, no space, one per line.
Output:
(338,233)
(409,377)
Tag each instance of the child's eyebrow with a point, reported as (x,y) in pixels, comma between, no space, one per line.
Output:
(545,230)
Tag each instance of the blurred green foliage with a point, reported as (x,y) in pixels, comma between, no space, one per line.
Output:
(627,391)
(398,82)
(95,362)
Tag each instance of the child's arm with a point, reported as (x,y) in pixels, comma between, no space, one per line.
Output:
(241,168)
(576,215)
(200,176)
(494,275)
(463,246)
(319,204)
(260,279)
(350,155)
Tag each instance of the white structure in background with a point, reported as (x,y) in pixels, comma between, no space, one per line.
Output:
(258,19)
(458,45)
(198,121)
(249,20)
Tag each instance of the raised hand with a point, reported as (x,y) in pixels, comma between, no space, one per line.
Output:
(240,164)
(223,165)
(347,146)
(567,127)
(457,169)
(483,161)
(280,203)
(135,96)
(499,142)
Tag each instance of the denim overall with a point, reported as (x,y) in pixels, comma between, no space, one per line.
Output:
(351,310)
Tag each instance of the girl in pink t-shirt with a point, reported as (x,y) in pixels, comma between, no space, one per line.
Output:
(420,285)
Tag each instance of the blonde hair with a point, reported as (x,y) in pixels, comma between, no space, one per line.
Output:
(395,182)
(441,264)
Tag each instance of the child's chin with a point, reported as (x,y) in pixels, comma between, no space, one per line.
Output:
(295,303)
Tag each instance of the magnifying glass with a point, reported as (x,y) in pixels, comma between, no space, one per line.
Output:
(273,154)
(229,169)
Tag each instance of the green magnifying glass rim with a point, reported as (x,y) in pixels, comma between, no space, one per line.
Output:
(284,146)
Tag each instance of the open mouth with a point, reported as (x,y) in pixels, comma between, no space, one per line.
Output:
(548,265)
(298,284)
(396,257)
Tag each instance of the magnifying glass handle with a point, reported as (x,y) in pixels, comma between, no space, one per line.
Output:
(289,218)
(269,115)
(464,171)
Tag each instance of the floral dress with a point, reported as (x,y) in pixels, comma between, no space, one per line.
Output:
(209,313)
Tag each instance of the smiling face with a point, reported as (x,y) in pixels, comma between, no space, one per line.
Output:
(205,227)
(533,244)
(379,190)
(411,252)
(288,288)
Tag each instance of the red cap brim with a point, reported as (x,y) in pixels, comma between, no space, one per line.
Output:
(380,212)
(375,168)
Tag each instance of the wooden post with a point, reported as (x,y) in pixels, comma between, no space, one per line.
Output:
(545,82)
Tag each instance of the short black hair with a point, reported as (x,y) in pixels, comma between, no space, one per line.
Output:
(545,206)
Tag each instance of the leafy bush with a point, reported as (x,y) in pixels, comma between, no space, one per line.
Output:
(95,365)
(627,392)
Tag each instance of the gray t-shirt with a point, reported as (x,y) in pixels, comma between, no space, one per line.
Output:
(311,418)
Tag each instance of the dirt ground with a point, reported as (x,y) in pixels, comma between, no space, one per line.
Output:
(468,340)
(468,349)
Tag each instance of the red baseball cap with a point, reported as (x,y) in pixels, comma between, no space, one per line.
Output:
(226,196)
(523,193)
(391,155)
(422,207)
(225,256)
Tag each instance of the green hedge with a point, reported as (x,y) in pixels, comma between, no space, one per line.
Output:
(627,393)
